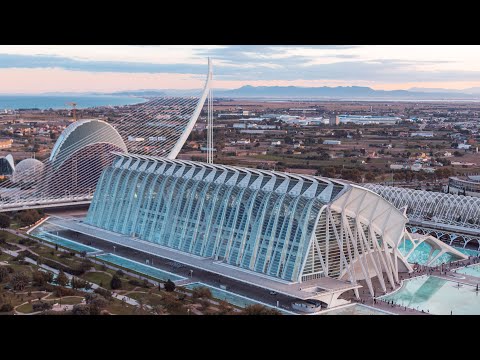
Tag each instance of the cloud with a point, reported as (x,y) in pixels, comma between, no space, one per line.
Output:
(255,63)
(45,61)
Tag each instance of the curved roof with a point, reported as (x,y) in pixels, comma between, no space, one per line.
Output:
(325,189)
(81,134)
(29,165)
(28,169)
(10,161)
(429,206)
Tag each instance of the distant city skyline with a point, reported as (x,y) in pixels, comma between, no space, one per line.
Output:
(34,69)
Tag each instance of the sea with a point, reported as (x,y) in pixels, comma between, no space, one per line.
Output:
(45,102)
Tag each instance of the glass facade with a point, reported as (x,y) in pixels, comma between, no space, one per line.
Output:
(257,220)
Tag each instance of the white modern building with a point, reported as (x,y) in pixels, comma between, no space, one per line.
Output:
(367,119)
(303,236)
(332,142)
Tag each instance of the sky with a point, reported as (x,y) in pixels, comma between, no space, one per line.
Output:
(34,69)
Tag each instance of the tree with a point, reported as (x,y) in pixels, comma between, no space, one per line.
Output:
(62,279)
(201,293)
(19,281)
(85,265)
(38,279)
(96,303)
(6,308)
(81,309)
(369,176)
(169,286)
(288,140)
(120,272)
(257,309)
(41,306)
(225,308)
(116,282)
(4,221)
(3,273)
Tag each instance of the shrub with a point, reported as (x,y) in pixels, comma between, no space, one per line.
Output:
(39,278)
(28,217)
(60,291)
(116,282)
(62,267)
(3,273)
(257,309)
(62,279)
(201,293)
(4,221)
(27,242)
(169,286)
(41,306)
(27,253)
(19,281)
(6,308)
(120,272)
(85,265)
(81,309)
(78,283)
(105,293)
(134,282)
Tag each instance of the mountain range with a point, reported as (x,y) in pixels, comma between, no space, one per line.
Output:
(346,92)
(324,92)
(297,92)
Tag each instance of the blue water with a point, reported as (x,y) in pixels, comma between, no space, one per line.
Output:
(43,102)
(420,255)
(140,268)
(438,296)
(473,270)
(51,238)
(230,297)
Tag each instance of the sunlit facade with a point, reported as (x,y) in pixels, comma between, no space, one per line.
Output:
(289,227)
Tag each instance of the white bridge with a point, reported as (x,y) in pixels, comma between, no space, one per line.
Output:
(69,176)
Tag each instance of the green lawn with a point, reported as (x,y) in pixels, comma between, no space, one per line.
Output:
(97,278)
(25,308)
(116,307)
(150,299)
(70,300)
(10,237)
(5,257)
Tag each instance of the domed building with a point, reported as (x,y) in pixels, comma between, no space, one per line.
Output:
(28,170)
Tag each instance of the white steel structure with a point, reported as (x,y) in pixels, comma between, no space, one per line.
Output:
(69,176)
(293,228)
(452,218)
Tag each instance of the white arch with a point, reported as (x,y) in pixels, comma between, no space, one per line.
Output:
(72,139)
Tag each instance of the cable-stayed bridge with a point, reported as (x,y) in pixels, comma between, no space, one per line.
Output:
(69,176)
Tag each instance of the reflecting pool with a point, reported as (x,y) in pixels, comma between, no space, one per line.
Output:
(232,298)
(69,244)
(421,253)
(437,296)
(472,270)
(139,267)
